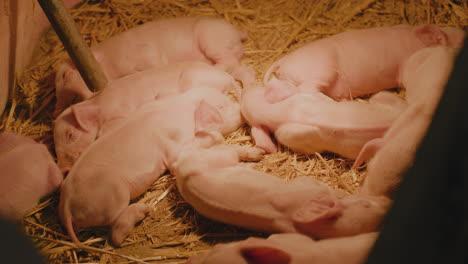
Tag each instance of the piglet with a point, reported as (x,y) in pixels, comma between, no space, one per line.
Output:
(313,122)
(354,63)
(81,124)
(214,182)
(159,43)
(424,76)
(290,248)
(123,163)
(28,174)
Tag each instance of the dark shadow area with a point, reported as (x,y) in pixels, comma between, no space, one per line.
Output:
(427,223)
(15,247)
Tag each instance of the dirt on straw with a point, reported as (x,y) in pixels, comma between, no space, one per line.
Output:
(172,231)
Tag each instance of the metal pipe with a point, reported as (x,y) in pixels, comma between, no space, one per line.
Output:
(74,44)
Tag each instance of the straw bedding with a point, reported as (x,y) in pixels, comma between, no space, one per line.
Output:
(172,231)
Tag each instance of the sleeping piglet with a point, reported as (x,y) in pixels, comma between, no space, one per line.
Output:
(424,76)
(123,163)
(312,122)
(290,248)
(81,124)
(214,182)
(28,173)
(355,62)
(159,43)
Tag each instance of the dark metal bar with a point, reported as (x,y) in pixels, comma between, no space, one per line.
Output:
(79,52)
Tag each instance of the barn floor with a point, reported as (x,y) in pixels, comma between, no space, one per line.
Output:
(173,231)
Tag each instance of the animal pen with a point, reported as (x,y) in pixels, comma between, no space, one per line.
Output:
(172,231)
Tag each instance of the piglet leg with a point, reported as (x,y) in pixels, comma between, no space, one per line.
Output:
(396,152)
(368,151)
(263,139)
(127,220)
(247,153)
(311,139)
(388,98)
(303,138)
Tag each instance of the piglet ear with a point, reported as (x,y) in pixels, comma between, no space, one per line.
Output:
(321,208)
(430,35)
(86,115)
(278,90)
(265,255)
(207,118)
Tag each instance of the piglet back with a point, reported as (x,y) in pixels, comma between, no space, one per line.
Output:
(28,173)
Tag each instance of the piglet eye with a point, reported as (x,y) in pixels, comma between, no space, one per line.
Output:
(70,136)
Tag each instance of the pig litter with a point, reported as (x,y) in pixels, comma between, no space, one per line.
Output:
(173,231)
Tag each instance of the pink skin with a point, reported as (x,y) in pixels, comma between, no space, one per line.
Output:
(127,160)
(455,37)
(214,182)
(312,123)
(290,248)
(69,87)
(160,43)
(424,76)
(354,63)
(81,124)
(28,174)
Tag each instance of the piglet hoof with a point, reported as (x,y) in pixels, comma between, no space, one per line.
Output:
(368,151)
(247,153)
(127,220)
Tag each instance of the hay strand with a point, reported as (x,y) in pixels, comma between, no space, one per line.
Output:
(89,248)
